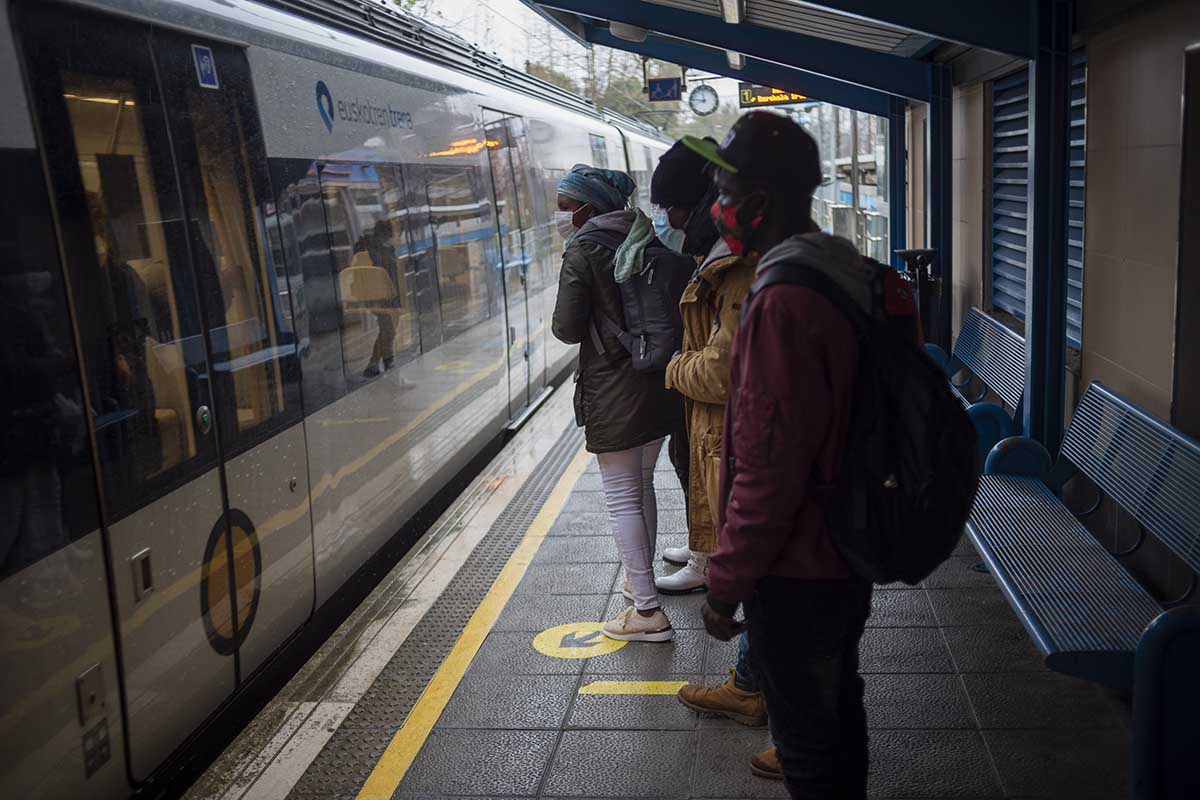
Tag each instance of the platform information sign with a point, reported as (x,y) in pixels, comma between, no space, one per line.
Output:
(751,95)
(662,90)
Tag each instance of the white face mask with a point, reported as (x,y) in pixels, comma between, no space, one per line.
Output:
(565,222)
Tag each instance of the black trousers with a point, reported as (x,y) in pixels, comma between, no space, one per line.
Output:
(679,453)
(804,638)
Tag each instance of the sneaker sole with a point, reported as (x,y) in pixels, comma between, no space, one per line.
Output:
(766,773)
(654,636)
(673,561)
(693,590)
(741,719)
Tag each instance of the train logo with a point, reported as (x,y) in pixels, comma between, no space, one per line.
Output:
(230,582)
(325,105)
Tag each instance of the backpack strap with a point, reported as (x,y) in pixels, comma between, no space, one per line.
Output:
(611,240)
(797,274)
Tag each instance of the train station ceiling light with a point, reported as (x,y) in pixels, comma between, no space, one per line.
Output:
(732,12)
(737,61)
(630,33)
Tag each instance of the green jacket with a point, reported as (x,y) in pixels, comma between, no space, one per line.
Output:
(618,407)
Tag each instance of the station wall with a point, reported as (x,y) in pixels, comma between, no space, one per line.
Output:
(1134,86)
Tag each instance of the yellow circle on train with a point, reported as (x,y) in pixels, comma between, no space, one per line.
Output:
(575,640)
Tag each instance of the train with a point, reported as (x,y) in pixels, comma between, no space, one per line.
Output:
(273,273)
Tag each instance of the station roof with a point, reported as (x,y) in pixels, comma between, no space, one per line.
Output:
(856,53)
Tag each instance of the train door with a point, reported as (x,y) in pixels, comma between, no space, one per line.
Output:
(513,258)
(534,262)
(191,377)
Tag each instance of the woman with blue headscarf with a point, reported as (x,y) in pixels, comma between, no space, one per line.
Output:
(625,413)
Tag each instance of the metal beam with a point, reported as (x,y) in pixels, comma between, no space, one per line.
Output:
(696,57)
(867,68)
(1046,287)
(897,180)
(1005,26)
(939,194)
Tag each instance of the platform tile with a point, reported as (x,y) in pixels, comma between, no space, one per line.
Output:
(993,648)
(917,701)
(454,763)
(577,550)
(898,650)
(538,612)
(648,764)
(900,609)
(958,571)
(631,712)
(568,579)
(971,606)
(933,764)
(1039,700)
(512,653)
(723,764)
(1062,765)
(510,702)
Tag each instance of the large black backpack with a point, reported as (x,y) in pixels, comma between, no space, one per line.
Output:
(653,327)
(911,469)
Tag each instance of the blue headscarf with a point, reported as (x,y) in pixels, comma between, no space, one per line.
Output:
(604,190)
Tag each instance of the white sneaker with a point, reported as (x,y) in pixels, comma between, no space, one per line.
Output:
(677,555)
(630,626)
(692,578)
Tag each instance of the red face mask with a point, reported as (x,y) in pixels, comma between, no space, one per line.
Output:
(732,231)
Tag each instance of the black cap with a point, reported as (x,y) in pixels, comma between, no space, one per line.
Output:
(766,148)
(681,178)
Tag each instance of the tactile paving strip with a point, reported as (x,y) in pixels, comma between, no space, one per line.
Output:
(348,758)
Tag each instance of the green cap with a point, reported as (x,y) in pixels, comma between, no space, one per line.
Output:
(709,149)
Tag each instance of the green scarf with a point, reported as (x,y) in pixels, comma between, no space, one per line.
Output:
(628,259)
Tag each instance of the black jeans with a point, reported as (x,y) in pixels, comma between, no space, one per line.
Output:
(804,639)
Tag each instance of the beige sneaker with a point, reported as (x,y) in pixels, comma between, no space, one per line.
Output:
(748,708)
(630,626)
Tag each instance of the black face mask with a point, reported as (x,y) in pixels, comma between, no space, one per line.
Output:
(699,232)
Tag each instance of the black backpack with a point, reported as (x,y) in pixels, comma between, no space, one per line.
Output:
(911,469)
(653,327)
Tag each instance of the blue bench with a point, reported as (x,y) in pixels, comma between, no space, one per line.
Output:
(1085,613)
(995,356)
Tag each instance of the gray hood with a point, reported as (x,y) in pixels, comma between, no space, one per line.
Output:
(619,221)
(836,257)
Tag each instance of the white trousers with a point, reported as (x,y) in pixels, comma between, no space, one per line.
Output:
(628,478)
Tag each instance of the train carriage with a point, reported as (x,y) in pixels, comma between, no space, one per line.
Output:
(270,280)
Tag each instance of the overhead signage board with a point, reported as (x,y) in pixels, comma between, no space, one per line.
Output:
(751,95)
(663,90)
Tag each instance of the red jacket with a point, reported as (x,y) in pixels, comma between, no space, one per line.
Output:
(792,374)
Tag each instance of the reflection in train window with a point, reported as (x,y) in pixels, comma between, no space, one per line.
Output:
(140,369)
(366,219)
(243,310)
(464,241)
(599,150)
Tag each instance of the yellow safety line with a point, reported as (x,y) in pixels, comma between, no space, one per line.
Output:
(632,687)
(407,742)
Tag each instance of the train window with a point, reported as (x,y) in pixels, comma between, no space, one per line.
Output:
(366,219)
(47,486)
(599,150)
(106,143)
(464,241)
(221,160)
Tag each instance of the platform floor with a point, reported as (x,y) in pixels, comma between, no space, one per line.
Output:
(482,698)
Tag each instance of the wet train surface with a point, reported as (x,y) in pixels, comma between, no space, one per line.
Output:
(267,286)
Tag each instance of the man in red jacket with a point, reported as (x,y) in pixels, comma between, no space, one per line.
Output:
(793,369)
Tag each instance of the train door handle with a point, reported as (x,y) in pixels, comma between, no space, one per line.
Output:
(512,336)
(143,574)
(204,420)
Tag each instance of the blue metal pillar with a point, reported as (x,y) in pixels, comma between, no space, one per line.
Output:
(939,199)
(1046,289)
(897,166)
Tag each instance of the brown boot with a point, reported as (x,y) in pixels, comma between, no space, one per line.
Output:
(748,708)
(766,765)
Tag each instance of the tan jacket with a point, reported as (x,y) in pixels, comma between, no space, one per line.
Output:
(711,306)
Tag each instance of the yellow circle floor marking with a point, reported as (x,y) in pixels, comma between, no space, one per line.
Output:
(575,640)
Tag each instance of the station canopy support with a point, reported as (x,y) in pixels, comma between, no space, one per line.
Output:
(874,56)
